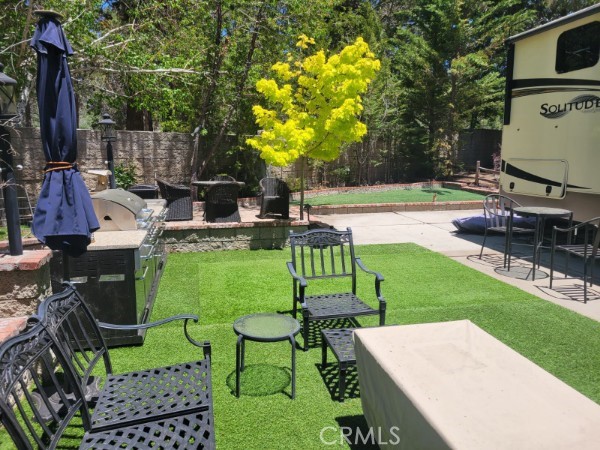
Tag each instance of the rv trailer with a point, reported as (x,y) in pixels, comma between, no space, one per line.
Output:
(551,133)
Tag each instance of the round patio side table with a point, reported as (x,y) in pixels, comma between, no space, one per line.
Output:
(264,327)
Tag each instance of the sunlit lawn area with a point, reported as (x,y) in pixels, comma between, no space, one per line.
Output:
(420,286)
(394,196)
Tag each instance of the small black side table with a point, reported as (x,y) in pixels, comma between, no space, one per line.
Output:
(341,343)
(264,327)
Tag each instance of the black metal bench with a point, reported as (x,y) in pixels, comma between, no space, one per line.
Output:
(342,345)
(166,407)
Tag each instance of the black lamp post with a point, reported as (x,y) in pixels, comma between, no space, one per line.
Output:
(109,135)
(8,110)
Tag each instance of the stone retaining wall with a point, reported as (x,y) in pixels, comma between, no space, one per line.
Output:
(201,237)
(24,282)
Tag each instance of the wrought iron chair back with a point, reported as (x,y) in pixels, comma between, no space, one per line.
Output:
(69,318)
(324,254)
(38,393)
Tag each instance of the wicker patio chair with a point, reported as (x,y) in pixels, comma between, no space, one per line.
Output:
(145,191)
(40,396)
(179,200)
(585,247)
(221,203)
(322,254)
(128,398)
(496,212)
(275,198)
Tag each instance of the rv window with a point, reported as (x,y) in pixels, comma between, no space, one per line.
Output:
(578,48)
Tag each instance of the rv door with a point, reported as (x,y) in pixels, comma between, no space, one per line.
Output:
(538,177)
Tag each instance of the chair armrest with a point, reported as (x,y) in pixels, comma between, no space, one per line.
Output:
(378,279)
(360,264)
(294,275)
(205,345)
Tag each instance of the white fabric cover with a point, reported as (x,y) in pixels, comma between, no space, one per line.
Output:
(452,385)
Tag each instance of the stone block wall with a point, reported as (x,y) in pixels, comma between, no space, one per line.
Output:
(24,282)
(154,155)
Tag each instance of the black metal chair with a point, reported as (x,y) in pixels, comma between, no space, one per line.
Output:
(40,397)
(221,203)
(573,244)
(496,212)
(222,177)
(130,398)
(179,200)
(324,254)
(275,198)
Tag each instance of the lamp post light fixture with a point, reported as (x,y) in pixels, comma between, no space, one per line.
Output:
(109,135)
(8,110)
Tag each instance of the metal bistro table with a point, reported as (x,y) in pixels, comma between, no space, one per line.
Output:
(541,214)
(264,327)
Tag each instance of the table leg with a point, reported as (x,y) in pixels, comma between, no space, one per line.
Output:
(508,242)
(536,245)
(293,342)
(238,361)
(243,365)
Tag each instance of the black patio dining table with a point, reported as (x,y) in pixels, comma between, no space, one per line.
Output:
(541,214)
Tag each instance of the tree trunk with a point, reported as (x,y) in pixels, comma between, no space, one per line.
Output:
(217,61)
(238,95)
(302,176)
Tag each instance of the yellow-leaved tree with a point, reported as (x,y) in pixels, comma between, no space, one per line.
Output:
(315,104)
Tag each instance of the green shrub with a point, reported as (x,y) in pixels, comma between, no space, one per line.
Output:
(125,175)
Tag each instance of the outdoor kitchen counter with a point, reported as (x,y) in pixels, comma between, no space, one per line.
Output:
(111,240)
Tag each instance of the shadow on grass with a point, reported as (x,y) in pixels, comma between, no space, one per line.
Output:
(330,375)
(355,432)
(260,380)
(316,326)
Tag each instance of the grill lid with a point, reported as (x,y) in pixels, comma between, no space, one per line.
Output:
(118,209)
(122,197)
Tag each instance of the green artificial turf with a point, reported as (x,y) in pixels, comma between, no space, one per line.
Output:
(394,196)
(419,286)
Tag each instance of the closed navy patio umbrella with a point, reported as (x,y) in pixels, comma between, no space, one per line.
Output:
(64,217)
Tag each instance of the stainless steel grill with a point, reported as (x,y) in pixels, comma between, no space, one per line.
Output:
(120,210)
(119,275)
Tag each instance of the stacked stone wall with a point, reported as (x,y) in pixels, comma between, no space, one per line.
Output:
(154,155)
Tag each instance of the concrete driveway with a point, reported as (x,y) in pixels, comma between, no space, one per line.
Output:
(434,230)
